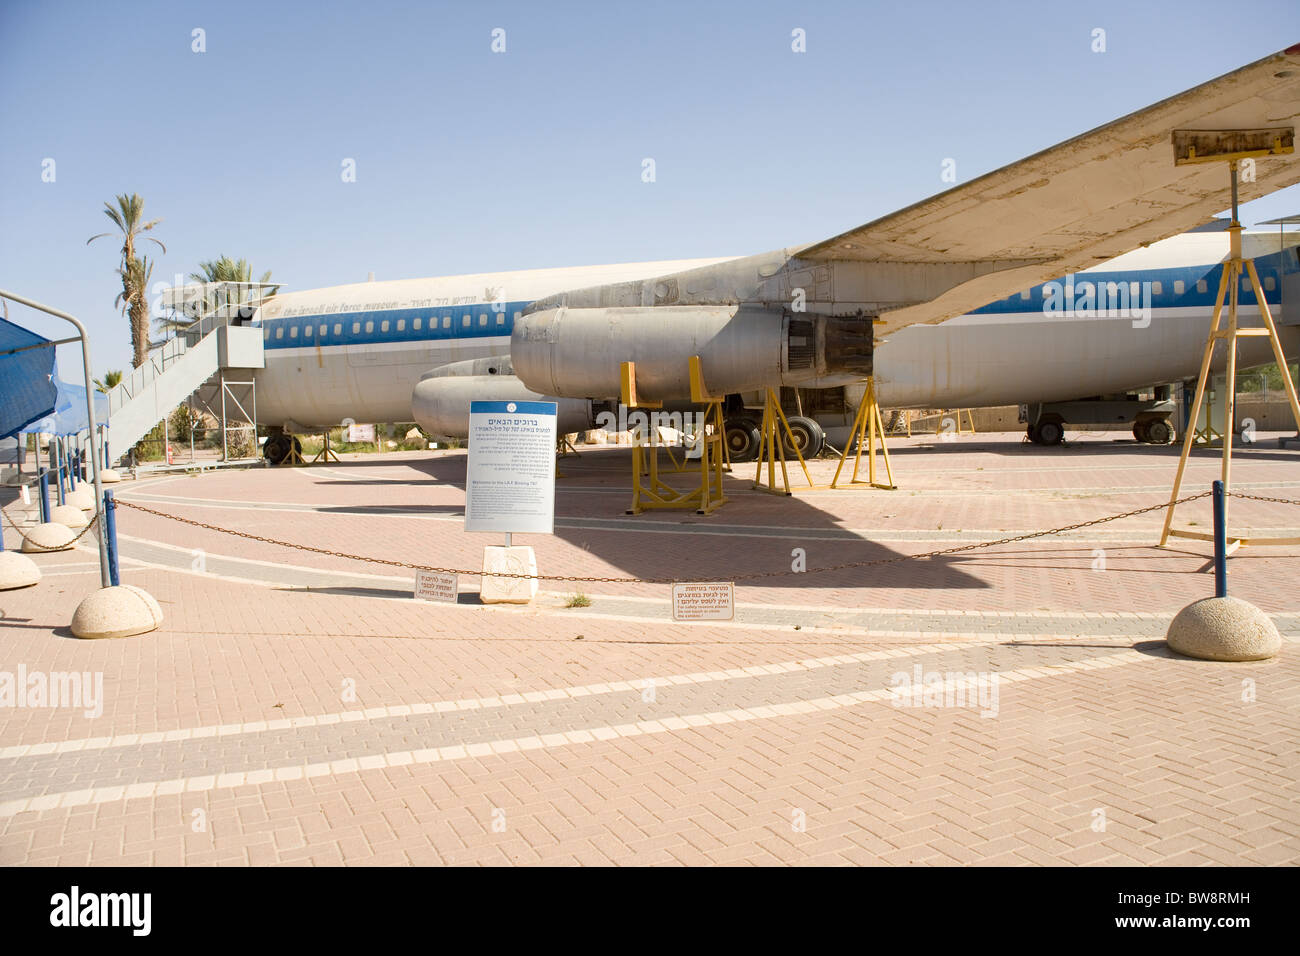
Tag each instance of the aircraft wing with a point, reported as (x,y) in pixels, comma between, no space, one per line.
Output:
(1083,201)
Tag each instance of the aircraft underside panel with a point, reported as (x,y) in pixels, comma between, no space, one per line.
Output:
(974,362)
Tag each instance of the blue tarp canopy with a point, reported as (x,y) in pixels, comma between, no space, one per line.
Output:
(69,413)
(27,388)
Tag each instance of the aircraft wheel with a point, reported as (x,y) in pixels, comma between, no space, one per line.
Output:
(742,439)
(809,437)
(1140,430)
(276,448)
(1159,432)
(1050,432)
(1032,432)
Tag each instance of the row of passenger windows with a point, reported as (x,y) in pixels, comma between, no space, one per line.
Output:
(1158,288)
(417,325)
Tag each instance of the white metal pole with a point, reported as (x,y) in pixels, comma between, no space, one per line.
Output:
(104,577)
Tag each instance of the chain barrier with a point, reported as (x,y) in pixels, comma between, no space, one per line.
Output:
(633,580)
(75,539)
(1276,501)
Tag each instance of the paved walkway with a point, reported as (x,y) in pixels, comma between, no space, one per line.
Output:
(1014,705)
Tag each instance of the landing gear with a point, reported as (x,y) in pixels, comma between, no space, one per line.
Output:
(808,436)
(276,449)
(1160,432)
(1048,432)
(1153,431)
(742,439)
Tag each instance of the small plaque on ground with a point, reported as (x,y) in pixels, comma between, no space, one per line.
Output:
(436,586)
(704,601)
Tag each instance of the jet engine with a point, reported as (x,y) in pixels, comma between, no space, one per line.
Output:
(440,402)
(578,353)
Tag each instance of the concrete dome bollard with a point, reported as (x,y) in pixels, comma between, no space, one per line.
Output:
(108,476)
(69,516)
(47,537)
(17,571)
(82,498)
(120,611)
(1223,629)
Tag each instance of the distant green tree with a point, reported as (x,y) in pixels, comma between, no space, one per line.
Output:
(110,380)
(221,269)
(181,423)
(226,269)
(1272,377)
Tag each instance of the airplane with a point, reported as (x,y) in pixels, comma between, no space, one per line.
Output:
(1085,269)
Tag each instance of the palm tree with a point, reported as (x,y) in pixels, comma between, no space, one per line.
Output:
(129,219)
(226,269)
(110,380)
(140,273)
(135,280)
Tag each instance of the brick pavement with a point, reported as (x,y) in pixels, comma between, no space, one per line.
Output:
(301,709)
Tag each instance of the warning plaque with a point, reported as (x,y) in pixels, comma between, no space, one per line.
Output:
(704,601)
(436,586)
(361,433)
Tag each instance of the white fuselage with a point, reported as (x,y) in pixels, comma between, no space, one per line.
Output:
(357,351)
(379,337)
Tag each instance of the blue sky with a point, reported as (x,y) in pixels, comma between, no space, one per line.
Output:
(472,161)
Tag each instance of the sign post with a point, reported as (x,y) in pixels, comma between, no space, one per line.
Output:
(510,487)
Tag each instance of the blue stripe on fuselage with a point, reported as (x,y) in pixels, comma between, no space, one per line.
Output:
(1167,296)
(447,323)
(440,323)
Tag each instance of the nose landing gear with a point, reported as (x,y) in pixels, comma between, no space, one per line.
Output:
(1048,431)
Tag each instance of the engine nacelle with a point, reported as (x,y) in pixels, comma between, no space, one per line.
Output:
(578,353)
(440,402)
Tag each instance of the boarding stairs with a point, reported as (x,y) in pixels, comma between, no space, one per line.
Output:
(199,359)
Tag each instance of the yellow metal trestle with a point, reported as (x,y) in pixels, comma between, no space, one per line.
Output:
(1229,285)
(775,436)
(649,491)
(326,453)
(867,428)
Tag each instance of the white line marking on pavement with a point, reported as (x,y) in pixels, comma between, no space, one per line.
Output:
(50,801)
(475,703)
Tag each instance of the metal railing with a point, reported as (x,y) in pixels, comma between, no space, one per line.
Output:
(139,379)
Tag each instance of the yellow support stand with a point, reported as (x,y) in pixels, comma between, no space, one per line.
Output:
(938,428)
(326,454)
(770,445)
(1230,285)
(1209,434)
(867,426)
(654,493)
